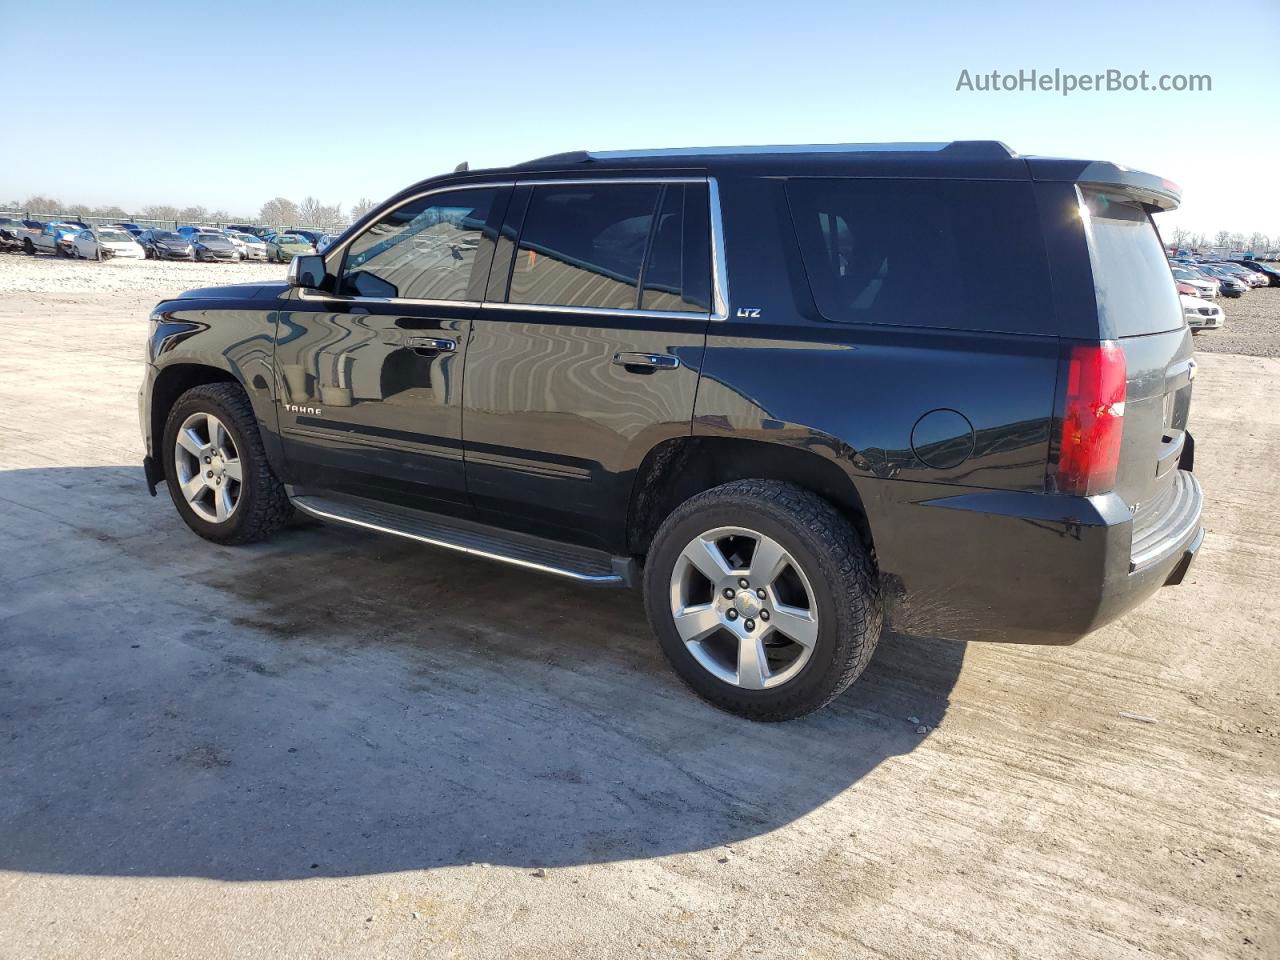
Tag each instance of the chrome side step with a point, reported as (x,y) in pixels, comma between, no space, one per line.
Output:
(534,553)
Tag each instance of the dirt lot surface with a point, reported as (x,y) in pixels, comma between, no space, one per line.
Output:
(339,745)
(1252,325)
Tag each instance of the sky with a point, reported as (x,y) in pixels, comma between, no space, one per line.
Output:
(229,104)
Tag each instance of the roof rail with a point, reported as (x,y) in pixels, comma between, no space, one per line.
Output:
(976,149)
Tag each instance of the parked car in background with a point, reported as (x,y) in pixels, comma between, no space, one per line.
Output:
(1201,315)
(1254,278)
(1272,273)
(251,247)
(1205,286)
(55,239)
(313,237)
(167,245)
(10,233)
(249,228)
(283,247)
(112,241)
(213,245)
(133,229)
(1229,285)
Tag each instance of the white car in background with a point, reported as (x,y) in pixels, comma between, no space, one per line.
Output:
(1201,315)
(114,241)
(250,247)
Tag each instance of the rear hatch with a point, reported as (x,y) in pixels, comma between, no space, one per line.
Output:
(1138,308)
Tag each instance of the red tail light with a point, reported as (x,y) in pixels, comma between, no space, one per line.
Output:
(1093,419)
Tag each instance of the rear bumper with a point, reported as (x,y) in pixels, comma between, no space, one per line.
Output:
(1024,567)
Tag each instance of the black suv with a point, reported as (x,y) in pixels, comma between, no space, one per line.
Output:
(795,392)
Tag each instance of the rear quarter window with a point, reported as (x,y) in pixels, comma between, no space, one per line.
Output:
(956,254)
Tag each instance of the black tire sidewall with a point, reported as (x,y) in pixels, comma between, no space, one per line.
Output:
(817,678)
(196,401)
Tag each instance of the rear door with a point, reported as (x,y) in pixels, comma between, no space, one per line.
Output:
(371,376)
(587,352)
(1138,307)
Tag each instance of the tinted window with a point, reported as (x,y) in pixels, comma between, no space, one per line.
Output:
(583,245)
(929,253)
(424,250)
(1130,272)
(677,275)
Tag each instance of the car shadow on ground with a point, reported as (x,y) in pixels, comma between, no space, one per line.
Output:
(336,703)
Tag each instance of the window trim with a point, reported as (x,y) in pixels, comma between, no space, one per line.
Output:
(719,272)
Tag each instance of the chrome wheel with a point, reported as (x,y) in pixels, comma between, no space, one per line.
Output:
(744,608)
(208,467)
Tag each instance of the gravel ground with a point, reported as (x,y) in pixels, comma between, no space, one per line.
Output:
(340,745)
(1252,325)
(60,280)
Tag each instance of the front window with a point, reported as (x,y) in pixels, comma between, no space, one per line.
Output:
(114,236)
(424,250)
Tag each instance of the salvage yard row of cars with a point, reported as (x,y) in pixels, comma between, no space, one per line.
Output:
(74,238)
(1201,280)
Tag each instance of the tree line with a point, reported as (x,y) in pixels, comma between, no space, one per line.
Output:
(1190,240)
(311,212)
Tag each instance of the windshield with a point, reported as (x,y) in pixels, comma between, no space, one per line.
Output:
(114,236)
(1130,270)
(293,238)
(246,238)
(168,235)
(206,237)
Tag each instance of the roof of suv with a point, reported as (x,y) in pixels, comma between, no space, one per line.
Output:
(959,159)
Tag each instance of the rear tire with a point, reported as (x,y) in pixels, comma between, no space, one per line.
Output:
(807,622)
(261,506)
(28,247)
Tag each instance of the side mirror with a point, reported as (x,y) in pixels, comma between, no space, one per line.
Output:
(307,271)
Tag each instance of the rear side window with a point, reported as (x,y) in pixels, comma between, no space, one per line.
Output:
(957,254)
(621,246)
(1131,276)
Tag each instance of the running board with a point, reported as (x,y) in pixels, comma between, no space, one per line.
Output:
(533,553)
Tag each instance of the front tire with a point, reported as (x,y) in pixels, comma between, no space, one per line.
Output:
(764,598)
(217,470)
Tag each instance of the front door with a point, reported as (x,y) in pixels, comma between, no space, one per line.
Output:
(587,352)
(370,377)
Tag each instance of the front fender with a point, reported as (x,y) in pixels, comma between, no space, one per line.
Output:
(201,339)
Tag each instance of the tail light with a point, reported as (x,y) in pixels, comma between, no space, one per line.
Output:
(1092,419)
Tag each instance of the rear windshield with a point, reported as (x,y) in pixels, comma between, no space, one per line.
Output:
(1131,274)
(964,255)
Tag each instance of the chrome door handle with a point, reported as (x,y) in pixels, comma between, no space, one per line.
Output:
(646,362)
(432,344)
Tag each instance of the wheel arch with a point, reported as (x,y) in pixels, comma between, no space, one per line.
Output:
(677,469)
(171,382)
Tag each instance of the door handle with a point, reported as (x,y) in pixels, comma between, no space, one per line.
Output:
(432,344)
(646,362)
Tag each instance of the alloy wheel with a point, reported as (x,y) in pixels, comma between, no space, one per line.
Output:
(208,465)
(744,608)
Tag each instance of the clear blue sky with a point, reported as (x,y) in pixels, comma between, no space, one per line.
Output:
(227,104)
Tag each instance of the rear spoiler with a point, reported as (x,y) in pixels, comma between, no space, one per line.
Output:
(1154,193)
